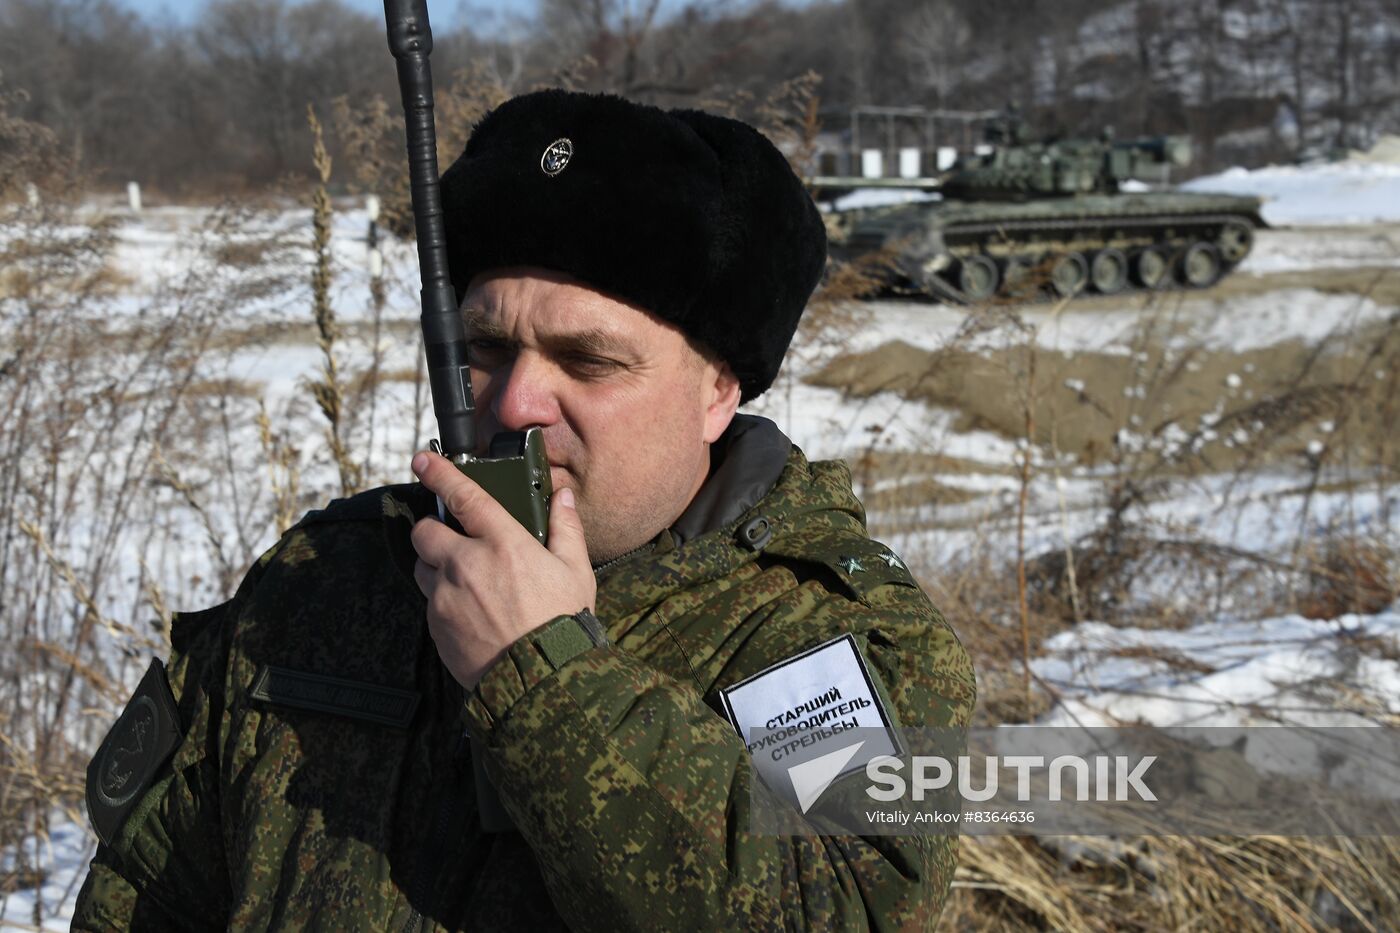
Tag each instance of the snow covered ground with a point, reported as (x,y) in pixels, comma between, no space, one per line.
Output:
(64,856)
(1305,248)
(1279,671)
(1238,323)
(1243,670)
(1354,191)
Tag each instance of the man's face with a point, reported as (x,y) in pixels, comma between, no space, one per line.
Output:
(628,407)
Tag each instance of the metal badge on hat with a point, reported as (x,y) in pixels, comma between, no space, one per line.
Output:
(557,156)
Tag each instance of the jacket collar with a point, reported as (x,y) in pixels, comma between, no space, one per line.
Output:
(745,464)
(802,496)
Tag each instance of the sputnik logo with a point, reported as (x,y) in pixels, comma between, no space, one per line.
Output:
(811,778)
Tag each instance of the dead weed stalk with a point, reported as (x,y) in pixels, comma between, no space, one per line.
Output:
(328,390)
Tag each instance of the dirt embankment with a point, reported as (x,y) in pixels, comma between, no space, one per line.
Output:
(1211,407)
(1380,284)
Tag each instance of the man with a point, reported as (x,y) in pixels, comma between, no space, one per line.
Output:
(629,276)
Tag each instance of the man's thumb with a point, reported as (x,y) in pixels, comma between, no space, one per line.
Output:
(566,529)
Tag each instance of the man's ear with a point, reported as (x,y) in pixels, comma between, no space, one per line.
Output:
(721,388)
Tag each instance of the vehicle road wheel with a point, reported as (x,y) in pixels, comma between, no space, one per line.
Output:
(1015,275)
(1151,268)
(1200,265)
(1109,271)
(978,277)
(1235,240)
(1069,275)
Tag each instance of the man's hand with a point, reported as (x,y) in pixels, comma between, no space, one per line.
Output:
(490,586)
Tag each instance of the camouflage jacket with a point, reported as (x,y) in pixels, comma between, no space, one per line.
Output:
(629,790)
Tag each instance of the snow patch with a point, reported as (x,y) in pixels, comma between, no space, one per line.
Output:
(63,858)
(1332,193)
(1285,670)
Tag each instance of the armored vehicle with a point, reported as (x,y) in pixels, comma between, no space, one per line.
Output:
(1026,218)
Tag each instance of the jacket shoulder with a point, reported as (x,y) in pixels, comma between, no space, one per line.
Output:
(859,565)
(350,540)
(404,500)
(824,528)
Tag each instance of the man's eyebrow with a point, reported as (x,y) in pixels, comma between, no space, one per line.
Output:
(479,325)
(592,341)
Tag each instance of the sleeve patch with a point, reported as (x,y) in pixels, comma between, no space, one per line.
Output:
(126,763)
(812,718)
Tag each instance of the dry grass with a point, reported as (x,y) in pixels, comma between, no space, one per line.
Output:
(1263,884)
(1147,883)
(15,281)
(328,387)
(1348,575)
(183,481)
(123,476)
(244,254)
(1316,409)
(370,133)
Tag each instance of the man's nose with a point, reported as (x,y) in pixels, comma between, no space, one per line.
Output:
(524,394)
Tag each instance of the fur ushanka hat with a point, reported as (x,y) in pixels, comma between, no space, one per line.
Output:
(696,218)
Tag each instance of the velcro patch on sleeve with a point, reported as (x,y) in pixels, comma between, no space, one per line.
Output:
(820,706)
(131,755)
(321,693)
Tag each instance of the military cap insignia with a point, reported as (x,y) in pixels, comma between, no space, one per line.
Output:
(556,157)
(851,565)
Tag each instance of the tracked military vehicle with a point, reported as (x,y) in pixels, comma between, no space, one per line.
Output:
(1028,218)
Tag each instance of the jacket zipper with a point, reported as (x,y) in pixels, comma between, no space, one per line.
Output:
(424,873)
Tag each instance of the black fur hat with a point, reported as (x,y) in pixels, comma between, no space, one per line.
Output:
(697,218)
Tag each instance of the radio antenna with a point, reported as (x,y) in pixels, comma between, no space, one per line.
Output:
(444,333)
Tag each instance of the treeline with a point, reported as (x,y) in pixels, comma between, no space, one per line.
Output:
(220,104)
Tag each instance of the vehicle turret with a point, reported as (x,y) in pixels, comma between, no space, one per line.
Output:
(1063,168)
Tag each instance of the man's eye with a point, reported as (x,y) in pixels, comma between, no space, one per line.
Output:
(586,365)
(486,351)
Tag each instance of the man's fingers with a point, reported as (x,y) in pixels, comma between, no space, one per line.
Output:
(434,542)
(426,578)
(461,496)
(566,540)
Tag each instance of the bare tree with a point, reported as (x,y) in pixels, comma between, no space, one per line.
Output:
(612,33)
(934,42)
(84,65)
(219,104)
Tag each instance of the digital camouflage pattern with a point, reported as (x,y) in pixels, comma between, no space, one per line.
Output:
(629,789)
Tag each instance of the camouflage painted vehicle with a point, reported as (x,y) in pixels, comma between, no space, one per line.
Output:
(1028,218)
